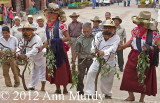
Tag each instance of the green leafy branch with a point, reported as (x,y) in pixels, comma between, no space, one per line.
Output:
(142,65)
(74,79)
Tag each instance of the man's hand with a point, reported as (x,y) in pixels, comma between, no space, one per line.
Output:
(39,49)
(73,67)
(23,56)
(101,53)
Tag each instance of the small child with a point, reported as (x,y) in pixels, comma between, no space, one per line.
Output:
(12,43)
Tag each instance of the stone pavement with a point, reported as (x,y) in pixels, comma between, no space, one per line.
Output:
(18,95)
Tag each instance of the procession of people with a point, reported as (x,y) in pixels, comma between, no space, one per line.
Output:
(104,40)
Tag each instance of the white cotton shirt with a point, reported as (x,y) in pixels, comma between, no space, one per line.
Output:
(12,42)
(109,47)
(41,33)
(32,53)
(17,33)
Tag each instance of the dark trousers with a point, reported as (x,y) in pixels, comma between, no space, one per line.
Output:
(120,58)
(81,72)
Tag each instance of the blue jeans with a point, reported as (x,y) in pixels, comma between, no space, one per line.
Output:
(93,5)
(124,3)
(136,2)
(128,3)
(118,2)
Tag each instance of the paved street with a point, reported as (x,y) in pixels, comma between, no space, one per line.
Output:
(118,96)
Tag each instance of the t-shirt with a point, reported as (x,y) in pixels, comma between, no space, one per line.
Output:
(11,14)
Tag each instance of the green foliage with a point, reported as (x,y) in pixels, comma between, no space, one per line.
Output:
(68,43)
(81,3)
(144,1)
(74,79)
(106,68)
(6,55)
(50,61)
(142,65)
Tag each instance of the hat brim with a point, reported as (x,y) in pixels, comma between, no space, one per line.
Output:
(20,29)
(120,20)
(145,23)
(73,16)
(96,20)
(107,25)
(40,19)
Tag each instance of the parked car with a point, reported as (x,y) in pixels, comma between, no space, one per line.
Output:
(105,2)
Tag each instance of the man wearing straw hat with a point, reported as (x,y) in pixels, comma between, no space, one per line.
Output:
(74,30)
(17,25)
(96,28)
(143,39)
(30,21)
(38,72)
(41,29)
(105,44)
(122,34)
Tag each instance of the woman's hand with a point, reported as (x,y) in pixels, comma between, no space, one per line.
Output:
(120,47)
(144,48)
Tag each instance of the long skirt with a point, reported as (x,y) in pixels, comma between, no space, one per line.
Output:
(62,74)
(130,80)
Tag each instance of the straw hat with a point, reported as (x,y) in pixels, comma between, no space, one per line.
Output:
(30,16)
(74,14)
(52,7)
(143,19)
(96,18)
(26,26)
(40,18)
(117,17)
(109,23)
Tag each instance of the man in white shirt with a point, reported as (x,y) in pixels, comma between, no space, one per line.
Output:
(12,43)
(105,44)
(107,17)
(17,25)
(41,29)
(38,72)
(30,21)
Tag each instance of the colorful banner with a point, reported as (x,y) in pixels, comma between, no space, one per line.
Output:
(4,1)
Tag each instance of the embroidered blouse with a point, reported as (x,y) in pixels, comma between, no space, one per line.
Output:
(156,35)
(62,29)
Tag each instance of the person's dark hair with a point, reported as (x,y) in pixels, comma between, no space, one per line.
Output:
(2,4)
(10,8)
(5,28)
(108,13)
(107,33)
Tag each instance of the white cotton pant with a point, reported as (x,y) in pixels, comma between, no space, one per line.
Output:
(38,73)
(106,81)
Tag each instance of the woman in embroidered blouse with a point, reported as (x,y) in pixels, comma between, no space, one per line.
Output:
(57,34)
(144,33)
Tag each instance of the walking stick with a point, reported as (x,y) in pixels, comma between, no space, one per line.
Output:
(96,79)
